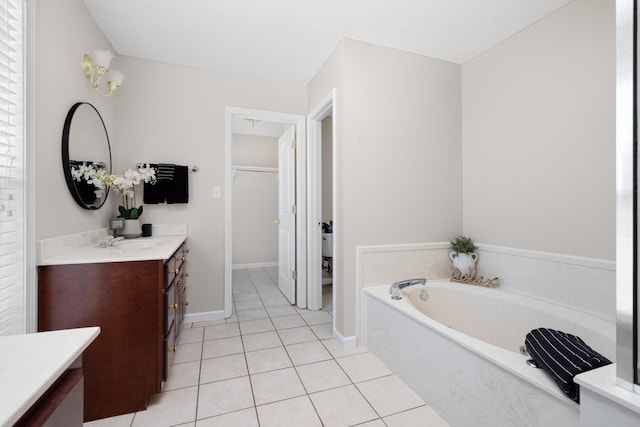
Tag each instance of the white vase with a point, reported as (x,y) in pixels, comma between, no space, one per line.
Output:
(464,262)
(131,229)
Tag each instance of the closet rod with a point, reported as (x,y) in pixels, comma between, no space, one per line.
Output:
(254,169)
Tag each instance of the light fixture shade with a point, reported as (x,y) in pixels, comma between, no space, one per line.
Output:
(115,76)
(102,58)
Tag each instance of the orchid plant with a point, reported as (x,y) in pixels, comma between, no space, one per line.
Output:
(124,184)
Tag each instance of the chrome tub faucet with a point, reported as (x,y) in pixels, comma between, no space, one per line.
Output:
(394,290)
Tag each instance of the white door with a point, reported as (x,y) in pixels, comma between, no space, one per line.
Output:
(286,214)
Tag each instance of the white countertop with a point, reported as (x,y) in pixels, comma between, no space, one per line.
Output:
(31,363)
(138,249)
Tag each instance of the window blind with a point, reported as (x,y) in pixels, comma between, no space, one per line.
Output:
(12,170)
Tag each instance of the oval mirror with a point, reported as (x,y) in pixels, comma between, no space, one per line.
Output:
(85,144)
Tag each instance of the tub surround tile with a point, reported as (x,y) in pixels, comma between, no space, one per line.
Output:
(389,395)
(242,418)
(224,396)
(291,412)
(342,406)
(277,385)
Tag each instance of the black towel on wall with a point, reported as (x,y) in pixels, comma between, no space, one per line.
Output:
(177,191)
(153,193)
(563,356)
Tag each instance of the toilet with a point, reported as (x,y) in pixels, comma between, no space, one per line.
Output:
(327,258)
(327,245)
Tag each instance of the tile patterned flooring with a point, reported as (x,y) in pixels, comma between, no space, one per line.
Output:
(272,364)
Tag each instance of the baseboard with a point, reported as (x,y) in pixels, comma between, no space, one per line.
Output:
(254,265)
(345,342)
(204,316)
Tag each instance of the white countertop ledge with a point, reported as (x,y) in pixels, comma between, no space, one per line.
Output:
(138,249)
(31,363)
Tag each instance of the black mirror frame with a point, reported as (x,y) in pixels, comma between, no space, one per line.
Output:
(66,159)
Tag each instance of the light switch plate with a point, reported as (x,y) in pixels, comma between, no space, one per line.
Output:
(216,192)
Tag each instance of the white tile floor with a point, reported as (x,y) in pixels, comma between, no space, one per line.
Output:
(272,364)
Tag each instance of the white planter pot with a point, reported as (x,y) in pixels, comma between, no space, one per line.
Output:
(464,262)
(131,229)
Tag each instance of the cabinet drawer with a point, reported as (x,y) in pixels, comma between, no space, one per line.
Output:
(169,344)
(171,307)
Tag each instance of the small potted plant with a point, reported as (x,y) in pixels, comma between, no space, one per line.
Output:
(462,254)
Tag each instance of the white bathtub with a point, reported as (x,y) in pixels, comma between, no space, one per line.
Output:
(459,351)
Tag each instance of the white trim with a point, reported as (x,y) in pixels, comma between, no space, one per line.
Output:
(344,342)
(255,265)
(551,257)
(314,192)
(301,219)
(204,316)
(31,276)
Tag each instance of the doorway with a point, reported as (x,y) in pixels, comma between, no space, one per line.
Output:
(321,120)
(234,116)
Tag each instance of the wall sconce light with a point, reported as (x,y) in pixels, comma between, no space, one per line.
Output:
(95,68)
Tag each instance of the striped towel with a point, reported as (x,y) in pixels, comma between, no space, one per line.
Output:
(165,172)
(563,356)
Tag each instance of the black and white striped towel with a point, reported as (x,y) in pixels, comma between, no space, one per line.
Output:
(165,172)
(563,356)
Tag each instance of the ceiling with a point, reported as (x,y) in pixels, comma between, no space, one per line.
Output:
(288,40)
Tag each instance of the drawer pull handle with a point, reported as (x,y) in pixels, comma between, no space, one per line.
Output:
(174,271)
(173,349)
(174,306)
(186,250)
(186,274)
(180,291)
(186,303)
(182,259)
(180,282)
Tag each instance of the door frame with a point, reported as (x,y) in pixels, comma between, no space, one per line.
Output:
(314,250)
(299,122)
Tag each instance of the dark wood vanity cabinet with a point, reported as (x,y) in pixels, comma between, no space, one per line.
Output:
(137,306)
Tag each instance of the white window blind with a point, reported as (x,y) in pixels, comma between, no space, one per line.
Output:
(12,171)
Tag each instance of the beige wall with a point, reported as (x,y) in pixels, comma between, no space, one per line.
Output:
(398,155)
(255,200)
(65,31)
(173,114)
(535,114)
(539,136)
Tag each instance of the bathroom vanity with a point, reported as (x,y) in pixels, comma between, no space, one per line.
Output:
(135,291)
